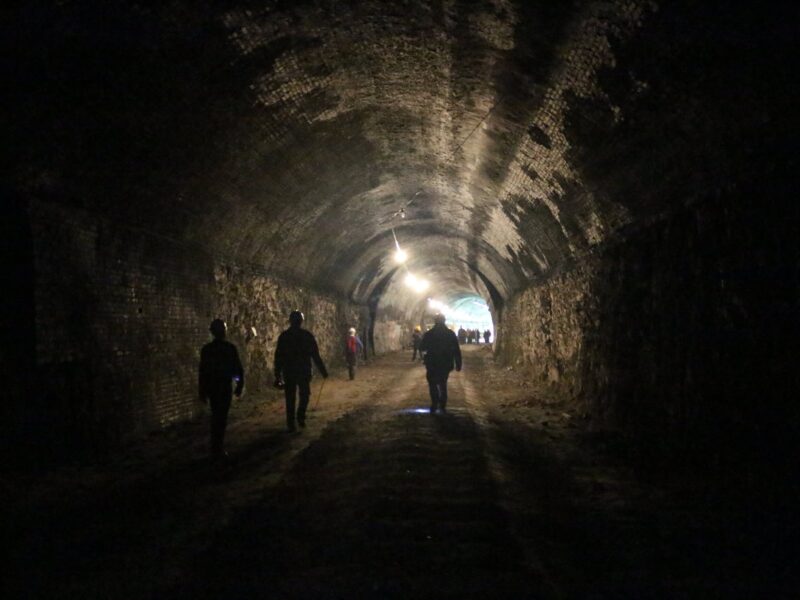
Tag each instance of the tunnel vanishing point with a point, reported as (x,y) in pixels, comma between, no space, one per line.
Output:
(616,179)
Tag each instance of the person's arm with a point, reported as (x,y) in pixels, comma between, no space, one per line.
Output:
(202,376)
(456,351)
(317,358)
(238,374)
(279,359)
(359,345)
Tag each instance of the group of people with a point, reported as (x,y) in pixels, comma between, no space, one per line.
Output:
(473,336)
(297,348)
(221,375)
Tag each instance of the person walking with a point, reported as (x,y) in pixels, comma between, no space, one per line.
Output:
(442,353)
(293,355)
(416,338)
(351,348)
(487,336)
(219,368)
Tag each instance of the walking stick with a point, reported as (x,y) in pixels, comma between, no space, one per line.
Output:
(319,395)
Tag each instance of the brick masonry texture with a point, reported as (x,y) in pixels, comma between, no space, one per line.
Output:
(577,164)
(674,333)
(120,316)
(120,319)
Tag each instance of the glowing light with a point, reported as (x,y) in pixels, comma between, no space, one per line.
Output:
(450,313)
(415,411)
(400,255)
(440,306)
(470,312)
(416,284)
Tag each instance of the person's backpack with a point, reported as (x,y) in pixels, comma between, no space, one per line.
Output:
(351,345)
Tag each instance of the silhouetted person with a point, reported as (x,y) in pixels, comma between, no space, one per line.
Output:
(416,338)
(219,367)
(442,353)
(487,336)
(462,335)
(352,345)
(296,349)
(470,336)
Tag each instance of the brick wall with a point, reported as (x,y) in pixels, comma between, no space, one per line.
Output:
(683,332)
(120,316)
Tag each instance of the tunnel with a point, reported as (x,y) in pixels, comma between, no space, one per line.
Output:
(609,187)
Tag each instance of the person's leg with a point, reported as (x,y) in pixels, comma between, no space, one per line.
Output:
(219,420)
(443,391)
(290,391)
(351,366)
(305,394)
(433,389)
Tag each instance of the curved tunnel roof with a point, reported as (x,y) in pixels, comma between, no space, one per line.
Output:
(298,135)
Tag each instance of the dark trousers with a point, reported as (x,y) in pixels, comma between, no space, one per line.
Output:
(351,365)
(416,351)
(291,391)
(220,406)
(437,385)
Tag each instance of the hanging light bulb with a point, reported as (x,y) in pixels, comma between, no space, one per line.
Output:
(400,255)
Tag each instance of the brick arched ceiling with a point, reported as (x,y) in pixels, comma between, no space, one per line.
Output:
(499,139)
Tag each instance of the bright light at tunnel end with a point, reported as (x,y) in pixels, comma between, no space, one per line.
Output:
(440,306)
(400,256)
(463,314)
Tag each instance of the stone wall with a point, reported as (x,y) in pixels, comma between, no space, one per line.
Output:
(390,335)
(120,316)
(686,327)
(250,301)
(542,330)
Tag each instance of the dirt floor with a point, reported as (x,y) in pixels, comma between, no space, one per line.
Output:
(508,495)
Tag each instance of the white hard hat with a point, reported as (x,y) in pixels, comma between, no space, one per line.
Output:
(352,330)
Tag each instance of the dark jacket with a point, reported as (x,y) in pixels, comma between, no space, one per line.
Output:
(296,349)
(219,365)
(441,349)
(415,340)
